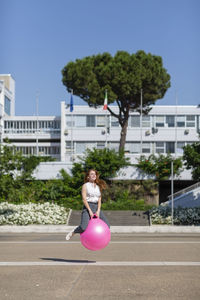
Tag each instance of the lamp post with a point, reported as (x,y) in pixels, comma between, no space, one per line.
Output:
(172,191)
(141,122)
(37,127)
(172,165)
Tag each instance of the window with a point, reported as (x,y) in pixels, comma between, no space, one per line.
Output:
(100,145)
(114,122)
(132,147)
(68,146)
(101,121)
(170,147)
(1,110)
(135,147)
(135,121)
(82,146)
(146,121)
(90,121)
(57,124)
(160,147)
(190,121)
(41,124)
(80,121)
(170,120)
(127,147)
(7,105)
(198,124)
(160,121)
(146,148)
(114,146)
(70,121)
(180,146)
(180,121)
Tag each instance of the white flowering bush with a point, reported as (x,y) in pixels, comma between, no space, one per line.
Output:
(182,216)
(24,214)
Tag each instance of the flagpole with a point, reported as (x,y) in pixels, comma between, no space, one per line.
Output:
(105,107)
(72,150)
(107,128)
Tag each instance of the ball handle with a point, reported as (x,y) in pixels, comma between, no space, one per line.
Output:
(95,216)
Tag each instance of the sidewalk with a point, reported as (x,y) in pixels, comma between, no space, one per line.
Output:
(114,229)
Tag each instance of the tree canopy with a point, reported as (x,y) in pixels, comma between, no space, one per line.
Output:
(191,157)
(123,76)
(160,165)
(16,170)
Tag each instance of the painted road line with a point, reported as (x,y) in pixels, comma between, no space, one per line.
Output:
(101,263)
(112,242)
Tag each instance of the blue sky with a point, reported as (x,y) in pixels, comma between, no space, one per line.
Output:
(39,37)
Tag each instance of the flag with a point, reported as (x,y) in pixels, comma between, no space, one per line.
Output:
(105,106)
(71,103)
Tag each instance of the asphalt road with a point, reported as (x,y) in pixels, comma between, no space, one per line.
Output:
(133,266)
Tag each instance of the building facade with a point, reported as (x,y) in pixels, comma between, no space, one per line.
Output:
(166,129)
(32,135)
(7,99)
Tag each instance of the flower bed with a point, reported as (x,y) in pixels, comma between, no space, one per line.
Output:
(182,216)
(24,214)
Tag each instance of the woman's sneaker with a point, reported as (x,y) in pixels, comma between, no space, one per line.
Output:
(69,235)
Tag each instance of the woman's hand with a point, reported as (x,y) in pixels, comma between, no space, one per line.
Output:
(91,214)
(98,213)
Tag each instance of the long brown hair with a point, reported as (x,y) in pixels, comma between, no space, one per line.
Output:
(101,183)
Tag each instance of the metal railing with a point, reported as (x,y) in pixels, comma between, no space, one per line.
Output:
(184,191)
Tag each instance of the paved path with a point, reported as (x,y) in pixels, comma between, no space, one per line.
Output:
(133,266)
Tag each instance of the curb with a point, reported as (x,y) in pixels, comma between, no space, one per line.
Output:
(113,229)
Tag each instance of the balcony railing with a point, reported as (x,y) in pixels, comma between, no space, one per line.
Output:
(32,131)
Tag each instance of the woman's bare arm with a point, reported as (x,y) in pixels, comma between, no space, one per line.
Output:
(84,195)
(99,207)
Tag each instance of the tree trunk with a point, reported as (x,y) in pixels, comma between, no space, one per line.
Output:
(123,121)
(123,135)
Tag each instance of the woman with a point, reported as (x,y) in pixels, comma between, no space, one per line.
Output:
(91,196)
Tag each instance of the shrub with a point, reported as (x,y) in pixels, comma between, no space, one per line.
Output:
(31,213)
(159,165)
(182,216)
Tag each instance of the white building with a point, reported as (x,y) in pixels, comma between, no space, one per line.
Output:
(32,135)
(7,98)
(7,95)
(166,129)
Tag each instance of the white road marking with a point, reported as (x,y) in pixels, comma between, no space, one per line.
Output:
(112,242)
(101,263)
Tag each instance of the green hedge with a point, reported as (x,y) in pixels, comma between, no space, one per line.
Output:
(120,195)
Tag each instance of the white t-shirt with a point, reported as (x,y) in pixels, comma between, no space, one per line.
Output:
(93,192)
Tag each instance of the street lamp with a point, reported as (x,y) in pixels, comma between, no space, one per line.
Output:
(172,191)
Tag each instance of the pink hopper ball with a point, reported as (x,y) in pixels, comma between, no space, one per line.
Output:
(96,236)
